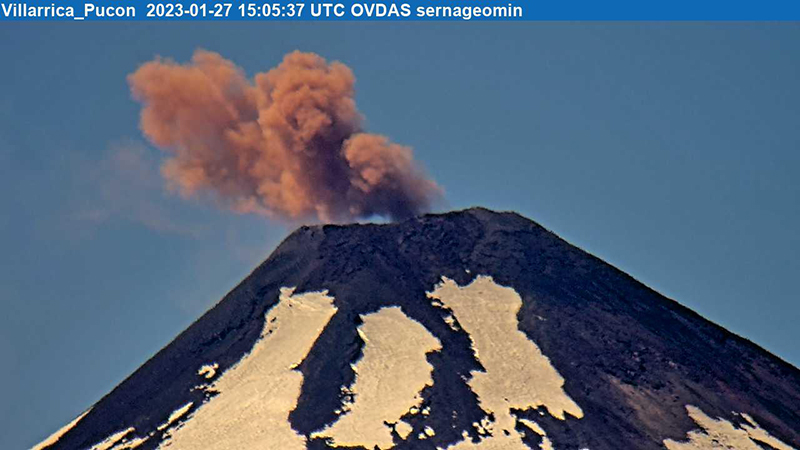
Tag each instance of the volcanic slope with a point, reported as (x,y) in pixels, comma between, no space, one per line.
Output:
(470,329)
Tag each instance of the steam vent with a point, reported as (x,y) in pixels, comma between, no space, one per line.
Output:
(466,330)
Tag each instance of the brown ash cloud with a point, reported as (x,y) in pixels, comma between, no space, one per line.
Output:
(289,144)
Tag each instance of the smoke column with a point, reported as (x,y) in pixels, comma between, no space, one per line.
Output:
(289,144)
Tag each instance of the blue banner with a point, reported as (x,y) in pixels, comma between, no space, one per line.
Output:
(388,10)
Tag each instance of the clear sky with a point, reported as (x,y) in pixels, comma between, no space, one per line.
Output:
(669,150)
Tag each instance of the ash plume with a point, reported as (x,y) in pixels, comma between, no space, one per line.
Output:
(288,144)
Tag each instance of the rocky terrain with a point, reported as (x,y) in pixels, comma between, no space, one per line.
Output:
(471,329)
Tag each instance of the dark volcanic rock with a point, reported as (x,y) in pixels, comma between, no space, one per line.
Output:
(631,358)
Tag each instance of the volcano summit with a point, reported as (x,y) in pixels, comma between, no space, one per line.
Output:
(466,330)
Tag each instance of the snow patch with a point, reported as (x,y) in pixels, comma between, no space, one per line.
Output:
(488,313)
(533,426)
(177,414)
(113,440)
(57,435)
(208,371)
(389,377)
(256,395)
(720,434)
(403,429)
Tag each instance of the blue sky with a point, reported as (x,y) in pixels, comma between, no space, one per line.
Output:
(669,150)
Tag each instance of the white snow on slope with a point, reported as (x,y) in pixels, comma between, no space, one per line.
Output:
(57,435)
(208,371)
(721,434)
(177,414)
(113,440)
(545,444)
(488,313)
(257,394)
(389,378)
(126,440)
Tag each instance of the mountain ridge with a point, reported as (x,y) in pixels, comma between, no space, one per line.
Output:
(568,295)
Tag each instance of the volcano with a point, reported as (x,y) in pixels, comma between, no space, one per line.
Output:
(467,330)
